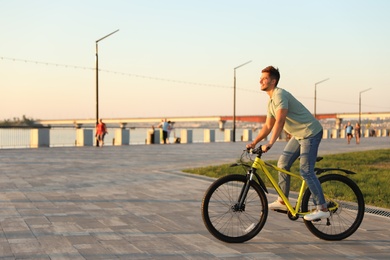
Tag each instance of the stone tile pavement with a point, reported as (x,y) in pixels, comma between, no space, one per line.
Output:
(133,202)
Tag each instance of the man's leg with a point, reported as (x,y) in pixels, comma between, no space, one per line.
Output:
(288,157)
(309,151)
(165,134)
(103,135)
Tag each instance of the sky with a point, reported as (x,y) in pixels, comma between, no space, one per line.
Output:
(176,58)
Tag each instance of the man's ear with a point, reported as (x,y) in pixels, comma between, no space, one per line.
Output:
(273,81)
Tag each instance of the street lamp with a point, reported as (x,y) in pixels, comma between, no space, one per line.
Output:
(234,102)
(360,104)
(315,95)
(97,80)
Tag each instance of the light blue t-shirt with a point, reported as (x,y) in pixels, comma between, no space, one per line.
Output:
(165,126)
(300,123)
(349,129)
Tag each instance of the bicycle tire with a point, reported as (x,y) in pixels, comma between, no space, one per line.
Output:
(346,218)
(221,218)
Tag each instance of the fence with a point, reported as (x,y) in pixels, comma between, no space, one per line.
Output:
(62,137)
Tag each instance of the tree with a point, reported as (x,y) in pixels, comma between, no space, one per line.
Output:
(17,122)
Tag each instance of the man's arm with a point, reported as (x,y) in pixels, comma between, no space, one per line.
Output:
(264,132)
(280,119)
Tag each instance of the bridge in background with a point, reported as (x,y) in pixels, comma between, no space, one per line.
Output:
(122,122)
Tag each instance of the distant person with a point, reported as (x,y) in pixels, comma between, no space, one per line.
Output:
(164,126)
(170,127)
(348,131)
(285,112)
(357,133)
(101,131)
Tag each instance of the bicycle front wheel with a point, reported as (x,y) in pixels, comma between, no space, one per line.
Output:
(223,217)
(346,204)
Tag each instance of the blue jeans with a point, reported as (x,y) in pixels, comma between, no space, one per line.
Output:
(307,150)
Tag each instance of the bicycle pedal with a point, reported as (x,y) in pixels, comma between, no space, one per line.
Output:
(318,220)
(280,211)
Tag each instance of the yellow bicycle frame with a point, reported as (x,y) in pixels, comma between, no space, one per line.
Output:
(261,165)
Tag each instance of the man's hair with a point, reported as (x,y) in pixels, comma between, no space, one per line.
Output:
(273,73)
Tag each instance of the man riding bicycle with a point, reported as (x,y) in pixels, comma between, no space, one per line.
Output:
(285,112)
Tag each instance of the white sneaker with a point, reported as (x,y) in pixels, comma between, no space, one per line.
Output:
(317,214)
(277,205)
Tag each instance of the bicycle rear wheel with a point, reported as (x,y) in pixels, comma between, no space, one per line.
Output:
(221,214)
(346,204)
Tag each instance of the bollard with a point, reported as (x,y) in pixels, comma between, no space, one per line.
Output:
(247,135)
(122,137)
(209,135)
(84,137)
(326,134)
(156,138)
(366,133)
(39,137)
(228,135)
(150,136)
(335,133)
(342,134)
(186,136)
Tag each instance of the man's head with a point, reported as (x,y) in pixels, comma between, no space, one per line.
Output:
(269,78)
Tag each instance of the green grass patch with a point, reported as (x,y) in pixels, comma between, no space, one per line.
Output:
(372,173)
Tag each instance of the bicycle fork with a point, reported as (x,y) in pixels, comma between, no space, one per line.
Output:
(240,205)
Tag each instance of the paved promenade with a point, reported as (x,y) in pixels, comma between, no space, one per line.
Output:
(133,202)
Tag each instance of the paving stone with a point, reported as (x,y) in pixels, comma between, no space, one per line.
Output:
(134,202)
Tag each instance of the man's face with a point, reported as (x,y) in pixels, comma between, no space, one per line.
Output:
(265,82)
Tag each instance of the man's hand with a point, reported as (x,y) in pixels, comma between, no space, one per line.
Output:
(251,146)
(266,147)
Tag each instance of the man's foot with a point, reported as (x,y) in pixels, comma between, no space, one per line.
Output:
(277,205)
(317,214)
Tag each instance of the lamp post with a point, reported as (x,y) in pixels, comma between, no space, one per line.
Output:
(234,101)
(315,95)
(97,80)
(360,104)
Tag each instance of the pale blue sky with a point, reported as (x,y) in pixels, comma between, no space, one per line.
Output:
(163,46)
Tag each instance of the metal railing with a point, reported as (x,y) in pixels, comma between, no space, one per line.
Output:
(15,137)
(20,137)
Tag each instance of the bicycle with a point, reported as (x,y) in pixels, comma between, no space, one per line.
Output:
(235,207)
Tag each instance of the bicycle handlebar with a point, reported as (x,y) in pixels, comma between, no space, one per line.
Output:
(259,151)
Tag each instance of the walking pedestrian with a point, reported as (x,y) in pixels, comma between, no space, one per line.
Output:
(164,126)
(357,133)
(101,131)
(348,131)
